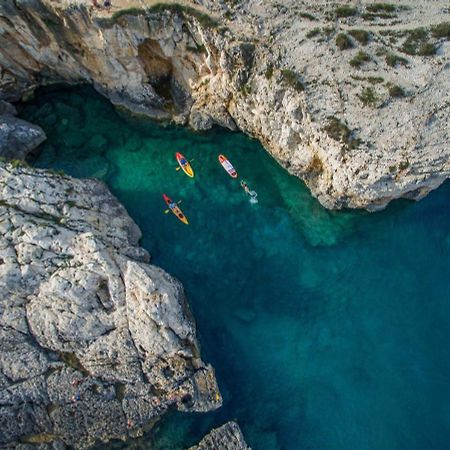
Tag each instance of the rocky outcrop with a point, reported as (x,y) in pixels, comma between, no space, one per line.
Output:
(226,437)
(95,342)
(354,100)
(18,137)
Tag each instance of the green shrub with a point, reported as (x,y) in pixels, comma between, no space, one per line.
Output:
(359,59)
(427,49)
(343,42)
(341,133)
(375,80)
(292,79)
(368,96)
(392,60)
(362,36)
(441,31)
(345,11)
(127,12)
(381,7)
(196,48)
(414,38)
(16,163)
(204,19)
(396,91)
(312,33)
(306,15)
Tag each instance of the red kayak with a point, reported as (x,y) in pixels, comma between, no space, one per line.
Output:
(175,209)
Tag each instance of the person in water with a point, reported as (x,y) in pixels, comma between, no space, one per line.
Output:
(245,186)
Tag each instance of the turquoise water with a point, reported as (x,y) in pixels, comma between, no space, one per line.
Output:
(328,330)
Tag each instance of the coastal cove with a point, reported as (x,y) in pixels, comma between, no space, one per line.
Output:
(326,329)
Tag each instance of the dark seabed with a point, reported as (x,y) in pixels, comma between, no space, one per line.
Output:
(328,330)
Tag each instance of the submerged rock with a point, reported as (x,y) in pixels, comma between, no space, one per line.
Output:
(95,343)
(226,437)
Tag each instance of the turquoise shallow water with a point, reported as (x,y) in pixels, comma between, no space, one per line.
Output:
(328,330)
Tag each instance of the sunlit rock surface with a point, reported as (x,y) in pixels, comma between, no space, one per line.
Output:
(362,119)
(95,342)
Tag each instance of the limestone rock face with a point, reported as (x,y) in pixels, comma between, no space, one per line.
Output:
(361,124)
(226,437)
(95,342)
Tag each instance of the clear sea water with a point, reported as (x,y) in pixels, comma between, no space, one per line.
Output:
(328,330)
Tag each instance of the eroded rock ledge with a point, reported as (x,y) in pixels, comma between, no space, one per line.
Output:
(226,437)
(352,99)
(95,342)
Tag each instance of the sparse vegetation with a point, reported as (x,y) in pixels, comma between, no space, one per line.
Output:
(204,19)
(375,80)
(127,12)
(372,80)
(441,31)
(343,42)
(269,72)
(427,49)
(338,131)
(359,59)
(328,31)
(362,36)
(196,48)
(312,33)
(396,91)
(392,60)
(292,79)
(381,7)
(403,165)
(16,163)
(306,15)
(415,38)
(368,97)
(345,11)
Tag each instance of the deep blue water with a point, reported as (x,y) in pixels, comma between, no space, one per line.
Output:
(328,330)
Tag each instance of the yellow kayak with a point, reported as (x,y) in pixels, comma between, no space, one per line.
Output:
(185,165)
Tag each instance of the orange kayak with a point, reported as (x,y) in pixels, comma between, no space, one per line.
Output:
(185,165)
(228,166)
(175,209)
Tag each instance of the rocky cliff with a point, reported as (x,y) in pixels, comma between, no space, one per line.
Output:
(351,97)
(95,342)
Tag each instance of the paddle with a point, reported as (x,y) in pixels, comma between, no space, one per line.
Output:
(178,168)
(168,210)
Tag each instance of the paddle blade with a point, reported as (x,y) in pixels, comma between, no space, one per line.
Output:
(178,168)
(166,211)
